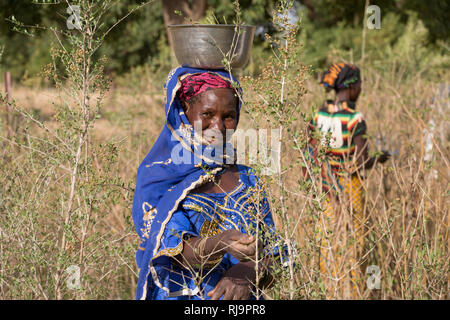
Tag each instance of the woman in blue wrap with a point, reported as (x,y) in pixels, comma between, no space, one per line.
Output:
(204,221)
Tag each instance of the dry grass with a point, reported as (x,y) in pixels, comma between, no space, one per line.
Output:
(407,201)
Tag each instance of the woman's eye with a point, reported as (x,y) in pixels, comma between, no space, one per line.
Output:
(206,114)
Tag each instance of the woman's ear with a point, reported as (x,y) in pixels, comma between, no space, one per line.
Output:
(186,106)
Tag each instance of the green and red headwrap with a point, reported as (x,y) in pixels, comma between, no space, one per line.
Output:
(340,76)
(201,82)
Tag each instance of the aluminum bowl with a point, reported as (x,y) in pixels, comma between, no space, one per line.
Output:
(206,45)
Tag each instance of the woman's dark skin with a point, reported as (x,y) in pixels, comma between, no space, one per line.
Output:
(216,109)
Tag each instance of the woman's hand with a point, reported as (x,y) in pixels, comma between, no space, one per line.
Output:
(385,156)
(239,245)
(199,251)
(236,284)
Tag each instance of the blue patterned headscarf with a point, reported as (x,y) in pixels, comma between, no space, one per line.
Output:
(162,182)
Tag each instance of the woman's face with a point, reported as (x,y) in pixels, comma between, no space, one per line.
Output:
(215,110)
(354,91)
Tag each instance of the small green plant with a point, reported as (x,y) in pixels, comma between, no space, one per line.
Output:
(65,218)
(59,186)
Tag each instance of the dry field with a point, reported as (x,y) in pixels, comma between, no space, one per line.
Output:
(406,211)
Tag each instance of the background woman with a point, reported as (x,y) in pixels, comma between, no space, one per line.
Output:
(341,129)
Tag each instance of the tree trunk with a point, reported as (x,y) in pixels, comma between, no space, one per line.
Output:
(311,10)
(186,14)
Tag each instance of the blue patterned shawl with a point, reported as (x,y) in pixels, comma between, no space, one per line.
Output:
(162,183)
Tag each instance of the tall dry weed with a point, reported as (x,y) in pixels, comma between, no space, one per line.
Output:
(52,219)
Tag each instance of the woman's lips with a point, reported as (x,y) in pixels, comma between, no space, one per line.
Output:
(214,137)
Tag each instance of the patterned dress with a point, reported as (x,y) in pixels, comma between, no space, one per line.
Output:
(342,123)
(338,125)
(245,208)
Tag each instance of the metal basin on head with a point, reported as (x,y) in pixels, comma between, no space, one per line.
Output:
(208,46)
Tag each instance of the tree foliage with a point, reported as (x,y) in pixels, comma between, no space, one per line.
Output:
(142,39)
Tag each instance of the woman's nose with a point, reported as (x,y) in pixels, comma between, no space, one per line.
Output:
(218,124)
